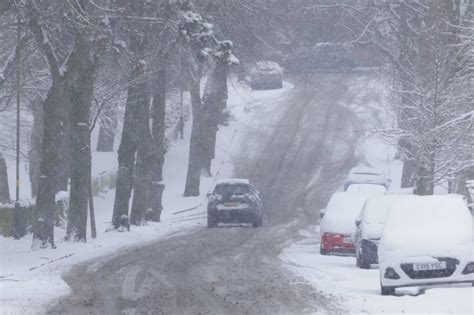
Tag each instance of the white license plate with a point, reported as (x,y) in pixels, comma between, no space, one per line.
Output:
(349,240)
(231,204)
(429,266)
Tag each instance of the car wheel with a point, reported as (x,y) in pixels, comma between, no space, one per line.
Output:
(256,222)
(387,290)
(362,263)
(211,222)
(322,251)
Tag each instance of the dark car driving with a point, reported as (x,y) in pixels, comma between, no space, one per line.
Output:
(234,201)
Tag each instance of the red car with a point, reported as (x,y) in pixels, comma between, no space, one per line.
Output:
(337,225)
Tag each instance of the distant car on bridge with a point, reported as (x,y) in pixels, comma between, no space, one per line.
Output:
(266,75)
(234,201)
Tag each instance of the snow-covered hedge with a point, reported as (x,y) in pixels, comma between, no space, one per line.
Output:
(7,216)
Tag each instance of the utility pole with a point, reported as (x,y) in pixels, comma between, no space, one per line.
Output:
(18,218)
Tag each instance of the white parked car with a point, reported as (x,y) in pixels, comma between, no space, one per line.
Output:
(337,225)
(366,175)
(426,241)
(369,226)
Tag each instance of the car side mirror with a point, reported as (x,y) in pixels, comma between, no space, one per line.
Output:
(322,212)
(357,223)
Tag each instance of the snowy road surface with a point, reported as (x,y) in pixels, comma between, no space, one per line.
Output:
(297,150)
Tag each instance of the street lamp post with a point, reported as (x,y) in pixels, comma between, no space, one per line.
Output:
(19,228)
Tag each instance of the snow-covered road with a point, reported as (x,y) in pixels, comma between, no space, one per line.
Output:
(296,148)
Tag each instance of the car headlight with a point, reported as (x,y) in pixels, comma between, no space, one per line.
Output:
(468,269)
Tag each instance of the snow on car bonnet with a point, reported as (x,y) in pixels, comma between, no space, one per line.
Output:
(428,225)
(342,210)
(233,181)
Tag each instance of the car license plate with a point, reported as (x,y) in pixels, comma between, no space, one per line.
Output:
(429,266)
(349,240)
(231,204)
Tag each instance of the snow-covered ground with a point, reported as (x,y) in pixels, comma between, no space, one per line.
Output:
(358,290)
(29,280)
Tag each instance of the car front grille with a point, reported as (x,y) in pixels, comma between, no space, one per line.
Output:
(451,264)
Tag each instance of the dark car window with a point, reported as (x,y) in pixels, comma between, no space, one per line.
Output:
(227,190)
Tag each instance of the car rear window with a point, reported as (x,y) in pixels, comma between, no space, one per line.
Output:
(366,173)
(231,189)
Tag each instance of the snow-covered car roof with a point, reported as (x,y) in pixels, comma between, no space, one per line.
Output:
(376,208)
(367,188)
(268,65)
(427,225)
(365,174)
(233,181)
(342,210)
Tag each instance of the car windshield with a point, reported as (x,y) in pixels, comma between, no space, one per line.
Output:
(367,173)
(227,190)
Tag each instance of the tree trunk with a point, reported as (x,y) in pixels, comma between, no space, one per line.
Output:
(43,223)
(4,189)
(214,99)
(159,149)
(54,148)
(81,98)
(129,141)
(196,154)
(34,155)
(144,165)
(409,163)
(425,176)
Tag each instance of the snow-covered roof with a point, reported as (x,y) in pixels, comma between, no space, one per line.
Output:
(268,65)
(366,170)
(376,208)
(367,188)
(342,210)
(365,174)
(233,181)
